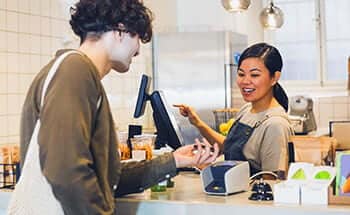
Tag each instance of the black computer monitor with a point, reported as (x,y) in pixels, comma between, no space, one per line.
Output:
(143,96)
(168,132)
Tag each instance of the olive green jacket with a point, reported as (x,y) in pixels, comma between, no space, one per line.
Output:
(77,140)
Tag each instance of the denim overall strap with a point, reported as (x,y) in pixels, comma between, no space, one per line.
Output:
(235,141)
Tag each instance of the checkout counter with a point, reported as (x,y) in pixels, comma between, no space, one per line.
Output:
(187,197)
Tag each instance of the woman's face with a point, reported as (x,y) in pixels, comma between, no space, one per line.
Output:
(254,80)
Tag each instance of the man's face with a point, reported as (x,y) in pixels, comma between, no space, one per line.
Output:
(125,49)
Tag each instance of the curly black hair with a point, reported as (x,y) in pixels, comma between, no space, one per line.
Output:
(99,16)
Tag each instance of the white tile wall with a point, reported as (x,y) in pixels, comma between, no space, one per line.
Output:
(3,83)
(13,139)
(25,63)
(3,107)
(3,127)
(2,19)
(34,24)
(55,9)
(45,8)
(12,21)
(55,27)
(12,4)
(34,7)
(24,20)
(13,84)
(12,63)
(24,43)
(35,44)
(45,45)
(3,62)
(327,111)
(45,26)
(2,4)
(12,42)
(340,111)
(24,82)
(13,104)
(3,40)
(13,125)
(23,6)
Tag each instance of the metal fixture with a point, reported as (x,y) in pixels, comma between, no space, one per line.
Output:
(271,17)
(235,5)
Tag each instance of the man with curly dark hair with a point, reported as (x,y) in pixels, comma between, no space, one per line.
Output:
(69,158)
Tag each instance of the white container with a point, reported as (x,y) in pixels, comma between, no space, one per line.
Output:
(310,187)
(314,194)
(286,192)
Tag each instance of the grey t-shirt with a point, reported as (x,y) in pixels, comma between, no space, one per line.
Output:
(267,148)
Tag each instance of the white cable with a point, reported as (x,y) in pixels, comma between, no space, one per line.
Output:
(263,172)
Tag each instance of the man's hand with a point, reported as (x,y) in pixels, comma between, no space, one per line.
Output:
(186,156)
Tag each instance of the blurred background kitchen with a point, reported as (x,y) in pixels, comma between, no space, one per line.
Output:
(314,41)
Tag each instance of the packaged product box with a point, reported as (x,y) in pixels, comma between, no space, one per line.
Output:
(343,173)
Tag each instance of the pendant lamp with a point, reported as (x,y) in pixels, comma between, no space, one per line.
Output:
(271,17)
(235,5)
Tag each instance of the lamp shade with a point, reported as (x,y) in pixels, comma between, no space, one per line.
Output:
(235,5)
(271,17)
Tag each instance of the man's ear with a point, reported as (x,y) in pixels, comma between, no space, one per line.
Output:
(276,77)
(119,35)
(121,32)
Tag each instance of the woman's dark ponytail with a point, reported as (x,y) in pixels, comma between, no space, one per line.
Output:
(281,96)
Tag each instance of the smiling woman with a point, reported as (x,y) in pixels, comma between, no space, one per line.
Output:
(262,129)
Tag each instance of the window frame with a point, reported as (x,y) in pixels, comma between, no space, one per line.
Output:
(321,84)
